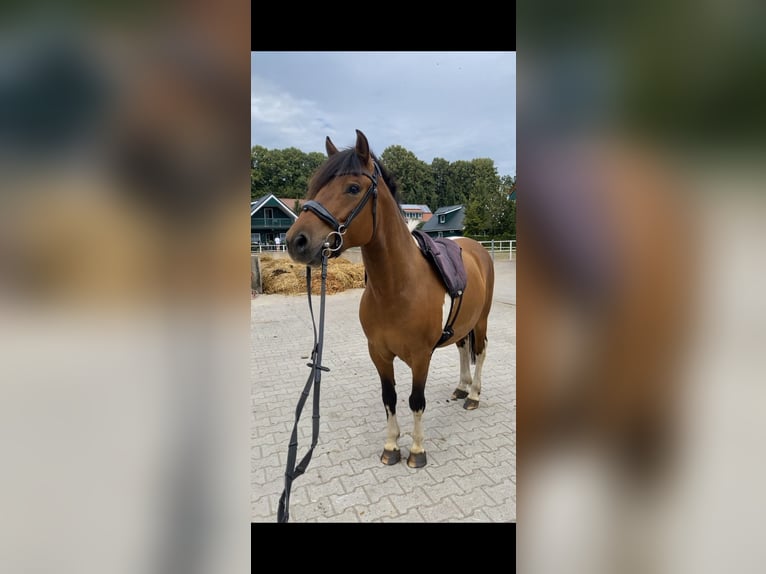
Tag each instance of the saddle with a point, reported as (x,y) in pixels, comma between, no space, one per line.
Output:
(445,257)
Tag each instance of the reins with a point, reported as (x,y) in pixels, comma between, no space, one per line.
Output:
(315,377)
(338,230)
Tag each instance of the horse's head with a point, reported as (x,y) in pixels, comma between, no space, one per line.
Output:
(341,210)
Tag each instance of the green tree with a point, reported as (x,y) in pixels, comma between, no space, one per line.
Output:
(485,178)
(413,175)
(509,221)
(508,183)
(283,172)
(261,168)
(460,179)
(476,220)
(440,175)
(489,212)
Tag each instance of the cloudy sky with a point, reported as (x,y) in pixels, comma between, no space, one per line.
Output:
(454,105)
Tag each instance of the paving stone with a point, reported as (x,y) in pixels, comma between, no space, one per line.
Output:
(471,471)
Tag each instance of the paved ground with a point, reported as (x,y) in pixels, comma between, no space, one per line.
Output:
(471,471)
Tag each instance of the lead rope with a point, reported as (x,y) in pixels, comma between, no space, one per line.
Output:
(315,378)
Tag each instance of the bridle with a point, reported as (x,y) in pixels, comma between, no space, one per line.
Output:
(339,229)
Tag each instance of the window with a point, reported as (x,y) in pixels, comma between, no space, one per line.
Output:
(268,213)
(442,219)
(255,238)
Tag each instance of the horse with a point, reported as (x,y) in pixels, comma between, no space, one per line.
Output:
(353,202)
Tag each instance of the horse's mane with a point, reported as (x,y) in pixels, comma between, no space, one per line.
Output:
(346,162)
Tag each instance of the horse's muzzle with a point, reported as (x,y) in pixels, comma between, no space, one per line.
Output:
(302,250)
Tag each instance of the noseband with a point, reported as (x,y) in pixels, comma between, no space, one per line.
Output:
(338,228)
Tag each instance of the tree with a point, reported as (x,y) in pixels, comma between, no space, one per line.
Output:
(460,180)
(413,176)
(476,221)
(283,172)
(489,213)
(261,168)
(440,175)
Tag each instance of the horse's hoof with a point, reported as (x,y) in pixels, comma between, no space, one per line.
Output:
(470,404)
(459,394)
(391,457)
(416,460)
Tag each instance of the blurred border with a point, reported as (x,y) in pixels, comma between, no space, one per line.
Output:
(641,316)
(124,340)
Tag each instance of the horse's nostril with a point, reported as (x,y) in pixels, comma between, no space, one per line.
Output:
(300,242)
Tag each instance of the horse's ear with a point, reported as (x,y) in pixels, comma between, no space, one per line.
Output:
(330,147)
(362,148)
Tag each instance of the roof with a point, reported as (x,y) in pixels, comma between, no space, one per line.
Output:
(453,223)
(258,203)
(415,207)
(290,201)
(447,209)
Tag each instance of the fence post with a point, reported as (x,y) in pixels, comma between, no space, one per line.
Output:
(492,248)
(256,283)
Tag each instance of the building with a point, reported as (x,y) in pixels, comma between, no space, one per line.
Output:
(446,222)
(415,214)
(290,202)
(269,218)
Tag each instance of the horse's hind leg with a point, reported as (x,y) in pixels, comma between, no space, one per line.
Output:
(464,348)
(478,341)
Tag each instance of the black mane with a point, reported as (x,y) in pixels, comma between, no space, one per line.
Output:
(346,162)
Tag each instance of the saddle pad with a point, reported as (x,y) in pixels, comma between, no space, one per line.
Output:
(445,256)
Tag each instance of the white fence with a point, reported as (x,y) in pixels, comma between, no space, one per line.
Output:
(504,248)
(267,248)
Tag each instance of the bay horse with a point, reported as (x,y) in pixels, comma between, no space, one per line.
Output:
(401,307)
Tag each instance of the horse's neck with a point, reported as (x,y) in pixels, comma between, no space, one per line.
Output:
(391,258)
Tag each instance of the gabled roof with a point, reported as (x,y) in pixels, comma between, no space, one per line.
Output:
(258,203)
(415,207)
(447,209)
(452,223)
(290,201)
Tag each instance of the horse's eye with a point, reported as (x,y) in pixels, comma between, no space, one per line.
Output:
(353,188)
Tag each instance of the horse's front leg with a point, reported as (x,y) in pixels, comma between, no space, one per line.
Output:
(417,458)
(384,363)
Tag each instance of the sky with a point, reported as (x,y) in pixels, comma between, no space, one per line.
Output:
(453,105)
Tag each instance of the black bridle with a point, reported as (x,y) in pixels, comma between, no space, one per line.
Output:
(338,228)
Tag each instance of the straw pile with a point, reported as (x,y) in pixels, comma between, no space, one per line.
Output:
(281,275)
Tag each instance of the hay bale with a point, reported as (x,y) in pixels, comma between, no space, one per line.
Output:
(288,278)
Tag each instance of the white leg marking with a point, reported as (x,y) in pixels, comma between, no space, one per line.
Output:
(465,367)
(392,431)
(445,308)
(417,433)
(476,386)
